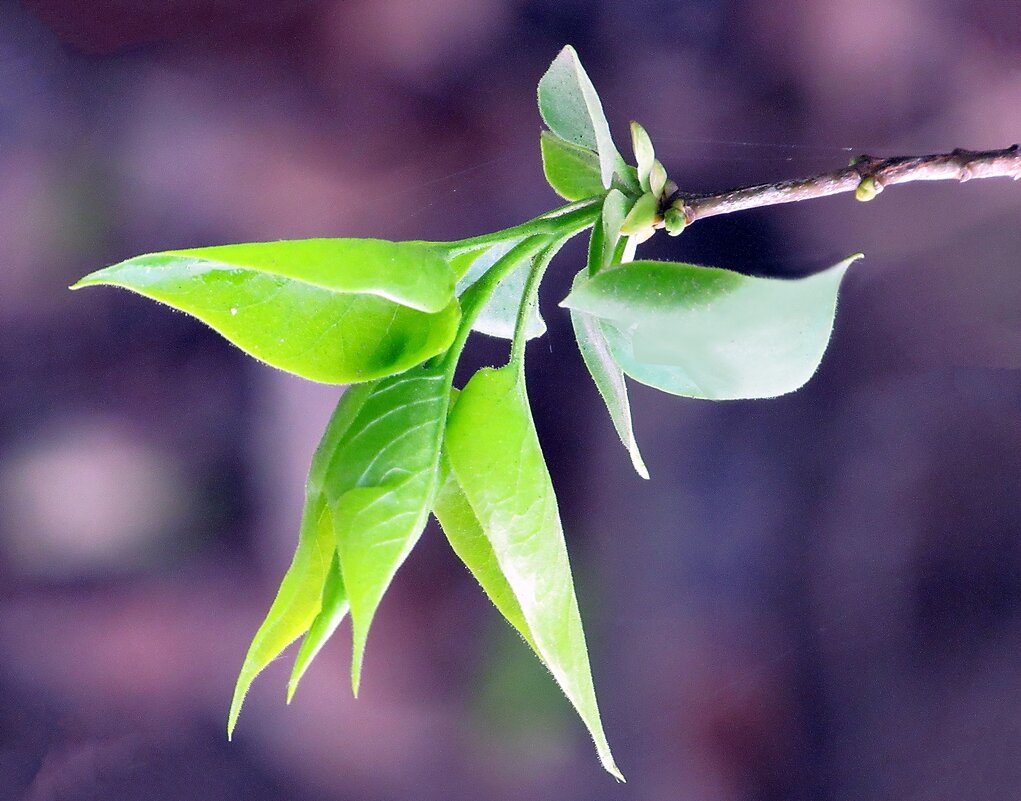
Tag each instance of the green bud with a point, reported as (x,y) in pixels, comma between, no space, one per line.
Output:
(867,189)
(643,215)
(675,221)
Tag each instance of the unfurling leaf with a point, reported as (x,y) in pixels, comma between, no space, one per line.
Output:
(495,456)
(572,171)
(330,310)
(603,244)
(570,106)
(380,484)
(704,332)
(300,597)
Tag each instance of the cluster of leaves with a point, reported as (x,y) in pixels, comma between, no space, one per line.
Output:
(392,318)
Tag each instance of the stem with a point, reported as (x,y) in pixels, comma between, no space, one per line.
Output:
(475,297)
(866,176)
(530,297)
(573,216)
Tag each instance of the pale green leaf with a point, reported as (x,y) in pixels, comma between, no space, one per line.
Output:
(333,611)
(645,155)
(571,108)
(496,458)
(704,332)
(572,171)
(380,484)
(330,310)
(609,379)
(300,597)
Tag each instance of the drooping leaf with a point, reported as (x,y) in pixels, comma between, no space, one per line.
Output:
(333,610)
(571,108)
(380,485)
(495,455)
(300,597)
(572,171)
(500,312)
(466,537)
(705,332)
(609,380)
(330,310)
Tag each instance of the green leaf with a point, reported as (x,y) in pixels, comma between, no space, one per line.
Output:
(380,485)
(572,171)
(645,154)
(704,332)
(334,608)
(300,597)
(466,537)
(609,379)
(570,106)
(499,314)
(330,310)
(606,231)
(642,216)
(496,458)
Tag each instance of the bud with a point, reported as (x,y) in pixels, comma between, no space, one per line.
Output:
(867,189)
(675,221)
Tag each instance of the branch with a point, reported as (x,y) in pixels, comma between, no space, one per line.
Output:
(866,177)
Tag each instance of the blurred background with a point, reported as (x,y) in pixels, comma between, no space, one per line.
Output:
(815,597)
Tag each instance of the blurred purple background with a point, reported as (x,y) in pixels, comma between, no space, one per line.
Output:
(816,597)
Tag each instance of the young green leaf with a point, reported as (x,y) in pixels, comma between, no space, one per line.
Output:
(642,217)
(496,458)
(380,485)
(330,310)
(606,231)
(572,171)
(466,537)
(570,106)
(609,379)
(334,608)
(499,313)
(704,332)
(300,597)
(645,155)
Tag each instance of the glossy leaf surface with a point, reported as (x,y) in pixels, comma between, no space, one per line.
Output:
(499,314)
(380,484)
(300,597)
(572,171)
(571,108)
(704,332)
(496,458)
(380,308)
